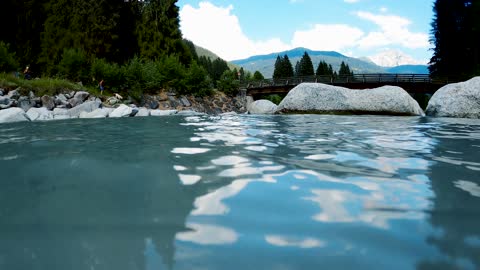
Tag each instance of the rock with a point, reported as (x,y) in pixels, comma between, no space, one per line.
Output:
(262,106)
(81,95)
(75,112)
(323,98)
(61,97)
(98,113)
(5,101)
(48,102)
(153,105)
(14,94)
(2,92)
(31,95)
(162,112)
(70,95)
(185,102)
(74,102)
(40,114)
(112,100)
(11,115)
(460,100)
(189,113)
(25,103)
(122,111)
(142,112)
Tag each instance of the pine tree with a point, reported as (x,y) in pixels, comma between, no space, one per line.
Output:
(277,70)
(306,66)
(344,70)
(257,76)
(455,32)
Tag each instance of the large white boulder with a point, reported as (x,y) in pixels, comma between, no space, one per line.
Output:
(75,112)
(98,113)
(262,106)
(329,99)
(142,112)
(13,115)
(123,111)
(162,112)
(40,114)
(460,100)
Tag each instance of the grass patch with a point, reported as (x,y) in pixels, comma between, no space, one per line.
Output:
(40,86)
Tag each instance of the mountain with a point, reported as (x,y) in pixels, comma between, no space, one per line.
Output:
(393,58)
(409,69)
(265,63)
(204,52)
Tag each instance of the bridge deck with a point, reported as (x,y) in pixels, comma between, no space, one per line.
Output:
(412,83)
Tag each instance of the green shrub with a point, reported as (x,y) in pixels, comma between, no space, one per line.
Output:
(274,98)
(196,81)
(74,65)
(7,59)
(228,83)
(111,74)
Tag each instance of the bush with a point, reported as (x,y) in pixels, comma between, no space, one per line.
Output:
(74,65)
(228,83)
(274,98)
(7,60)
(111,74)
(196,81)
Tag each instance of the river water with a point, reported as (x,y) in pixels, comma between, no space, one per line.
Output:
(241,192)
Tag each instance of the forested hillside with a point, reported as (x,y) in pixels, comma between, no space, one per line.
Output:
(134,46)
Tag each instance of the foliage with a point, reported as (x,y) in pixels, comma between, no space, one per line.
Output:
(257,76)
(7,58)
(228,83)
(344,70)
(74,65)
(274,98)
(324,69)
(305,66)
(283,68)
(42,86)
(197,82)
(454,34)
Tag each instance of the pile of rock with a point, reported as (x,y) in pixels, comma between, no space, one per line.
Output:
(15,107)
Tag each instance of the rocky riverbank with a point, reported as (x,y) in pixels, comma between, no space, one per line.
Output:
(15,105)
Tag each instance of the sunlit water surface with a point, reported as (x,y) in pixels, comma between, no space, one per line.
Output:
(241,192)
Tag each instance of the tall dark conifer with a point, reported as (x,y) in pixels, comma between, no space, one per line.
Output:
(455,35)
(305,66)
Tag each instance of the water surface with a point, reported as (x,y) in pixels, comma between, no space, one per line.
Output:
(241,192)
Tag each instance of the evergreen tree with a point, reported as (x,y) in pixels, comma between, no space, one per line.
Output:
(344,70)
(257,76)
(305,66)
(455,36)
(159,33)
(324,69)
(287,68)
(297,69)
(277,70)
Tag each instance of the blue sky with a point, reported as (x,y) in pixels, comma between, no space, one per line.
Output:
(389,32)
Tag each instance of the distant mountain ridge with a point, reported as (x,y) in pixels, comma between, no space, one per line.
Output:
(265,63)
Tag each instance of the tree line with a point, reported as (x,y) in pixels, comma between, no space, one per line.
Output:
(304,67)
(455,34)
(135,46)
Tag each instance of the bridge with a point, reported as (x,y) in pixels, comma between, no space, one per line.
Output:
(412,83)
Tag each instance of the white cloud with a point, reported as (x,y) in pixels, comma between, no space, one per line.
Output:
(217,29)
(383,9)
(391,58)
(393,31)
(333,37)
(350,1)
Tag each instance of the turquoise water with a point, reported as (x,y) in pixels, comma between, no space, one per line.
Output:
(241,192)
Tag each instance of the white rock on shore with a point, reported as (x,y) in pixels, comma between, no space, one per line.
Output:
(123,111)
(460,100)
(98,113)
(11,115)
(162,112)
(262,106)
(323,98)
(40,114)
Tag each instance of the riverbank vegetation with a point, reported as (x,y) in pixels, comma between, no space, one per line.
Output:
(135,47)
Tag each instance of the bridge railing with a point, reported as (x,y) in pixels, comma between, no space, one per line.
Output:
(355,78)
